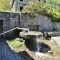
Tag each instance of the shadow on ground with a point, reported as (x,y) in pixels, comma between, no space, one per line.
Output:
(25,56)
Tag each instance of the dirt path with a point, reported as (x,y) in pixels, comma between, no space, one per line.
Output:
(6,53)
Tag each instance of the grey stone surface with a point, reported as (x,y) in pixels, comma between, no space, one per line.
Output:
(45,23)
(10,20)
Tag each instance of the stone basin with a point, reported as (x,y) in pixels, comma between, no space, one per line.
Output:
(30,34)
(31,38)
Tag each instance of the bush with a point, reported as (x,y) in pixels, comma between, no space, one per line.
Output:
(51,13)
(35,8)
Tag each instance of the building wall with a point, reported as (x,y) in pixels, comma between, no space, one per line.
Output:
(14,20)
(18,3)
(14,6)
(10,20)
(5,18)
(21,3)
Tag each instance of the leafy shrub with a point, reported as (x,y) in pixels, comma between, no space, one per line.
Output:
(53,14)
(35,8)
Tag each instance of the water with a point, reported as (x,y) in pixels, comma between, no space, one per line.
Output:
(39,48)
(38,44)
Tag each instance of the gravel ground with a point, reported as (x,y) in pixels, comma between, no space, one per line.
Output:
(6,53)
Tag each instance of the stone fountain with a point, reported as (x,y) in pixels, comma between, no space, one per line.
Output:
(32,39)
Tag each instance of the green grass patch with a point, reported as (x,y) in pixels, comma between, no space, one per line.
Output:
(15,45)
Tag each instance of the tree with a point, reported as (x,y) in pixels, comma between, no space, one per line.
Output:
(33,8)
(4,4)
(54,2)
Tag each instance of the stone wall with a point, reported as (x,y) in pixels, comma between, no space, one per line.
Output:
(43,22)
(5,18)
(10,20)
(56,25)
(14,21)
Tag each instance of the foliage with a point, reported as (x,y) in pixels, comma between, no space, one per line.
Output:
(35,8)
(54,2)
(52,13)
(4,5)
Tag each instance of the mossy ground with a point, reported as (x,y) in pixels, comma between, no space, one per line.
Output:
(15,45)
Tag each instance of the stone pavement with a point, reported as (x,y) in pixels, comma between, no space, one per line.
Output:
(57,39)
(6,53)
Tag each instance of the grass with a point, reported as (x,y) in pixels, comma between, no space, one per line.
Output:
(15,45)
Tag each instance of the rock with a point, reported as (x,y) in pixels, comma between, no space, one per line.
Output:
(50,52)
(17,39)
(21,40)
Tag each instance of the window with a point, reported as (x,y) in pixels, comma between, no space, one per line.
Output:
(21,0)
(21,7)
